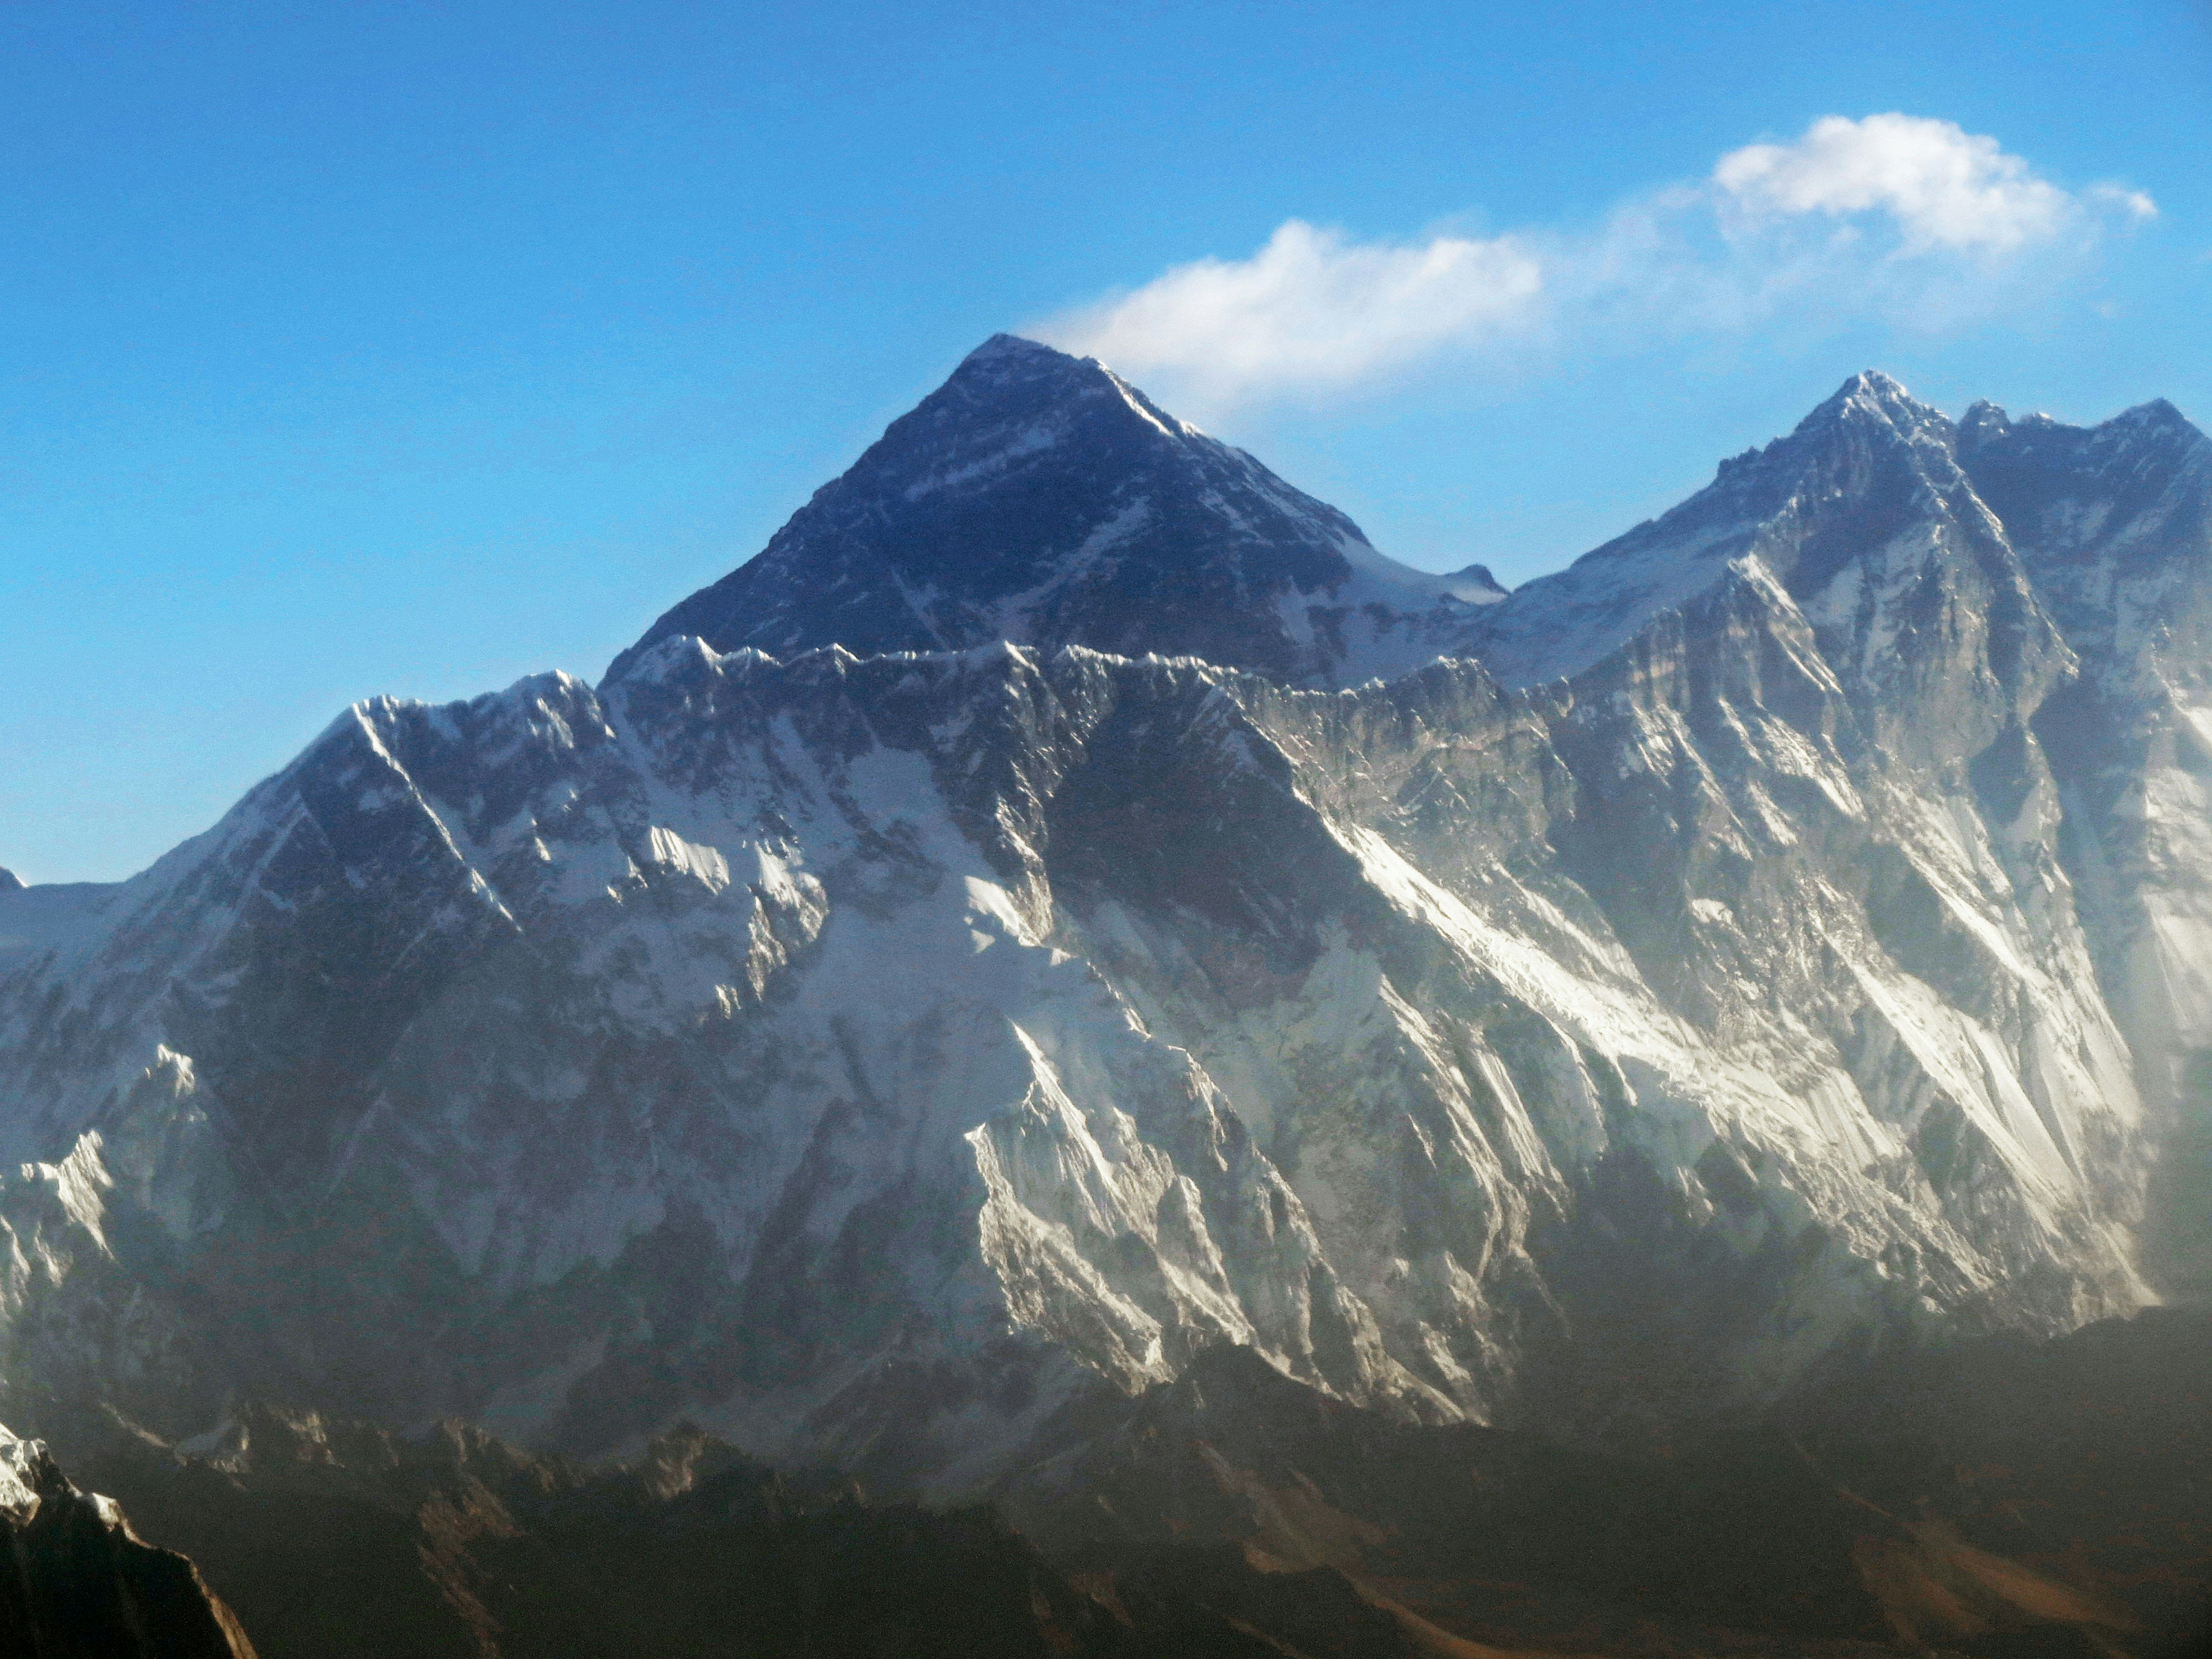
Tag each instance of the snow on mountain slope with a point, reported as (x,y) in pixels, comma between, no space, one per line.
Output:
(2114,524)
(1039,498)
(2029,600)
(866,1054)
(1862,513)
(870,1054)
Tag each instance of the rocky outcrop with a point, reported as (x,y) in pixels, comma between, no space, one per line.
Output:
(78,1583)
(2004,1497)
(339,1540)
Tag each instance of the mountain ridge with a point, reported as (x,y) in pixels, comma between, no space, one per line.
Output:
(873,1054)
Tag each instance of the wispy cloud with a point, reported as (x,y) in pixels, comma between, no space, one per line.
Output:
(1898,214)
(2133,204)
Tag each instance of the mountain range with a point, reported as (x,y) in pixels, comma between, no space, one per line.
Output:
(1071,905)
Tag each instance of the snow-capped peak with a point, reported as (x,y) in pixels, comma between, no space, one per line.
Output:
(2156,417)
(1038,497)
(1872,397)
(1871,447)
(1474,585)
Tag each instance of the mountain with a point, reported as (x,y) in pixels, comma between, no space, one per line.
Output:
(1041,498)
(877,1058)
(1866,518)
(2114,526)
(2071,566)
(78,1583)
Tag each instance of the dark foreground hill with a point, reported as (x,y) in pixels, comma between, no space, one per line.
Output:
(76,1583)
(2003,1499)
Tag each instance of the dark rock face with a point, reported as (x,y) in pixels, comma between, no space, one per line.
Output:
(76,1581)
(1038,498)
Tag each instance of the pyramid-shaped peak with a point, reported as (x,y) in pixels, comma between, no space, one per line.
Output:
(10,881)
(1038,497)
(1010,359)
(2156,415)
(1873,383)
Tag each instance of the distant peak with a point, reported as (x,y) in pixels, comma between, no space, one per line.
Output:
(1871,385)
(1008,369)
(2157,414)
(10,881)
(2157,422)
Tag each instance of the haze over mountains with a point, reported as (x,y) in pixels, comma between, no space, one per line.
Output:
(1071,904)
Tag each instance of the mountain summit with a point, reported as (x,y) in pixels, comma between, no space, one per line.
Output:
(1039,498)
(1871,470)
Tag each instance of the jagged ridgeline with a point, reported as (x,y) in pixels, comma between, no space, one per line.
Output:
(1015,935)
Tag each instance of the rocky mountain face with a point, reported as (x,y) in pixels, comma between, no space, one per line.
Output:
(1041,498)
(2066,570)
(2114,526)
(76,1583)
(878,1052)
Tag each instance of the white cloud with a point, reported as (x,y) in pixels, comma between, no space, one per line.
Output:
(1914,219)
(1310,308)
(2134,203)
(1942,185)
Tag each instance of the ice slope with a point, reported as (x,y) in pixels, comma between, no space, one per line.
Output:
(1039,498)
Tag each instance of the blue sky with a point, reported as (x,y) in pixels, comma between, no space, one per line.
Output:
(411,349)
